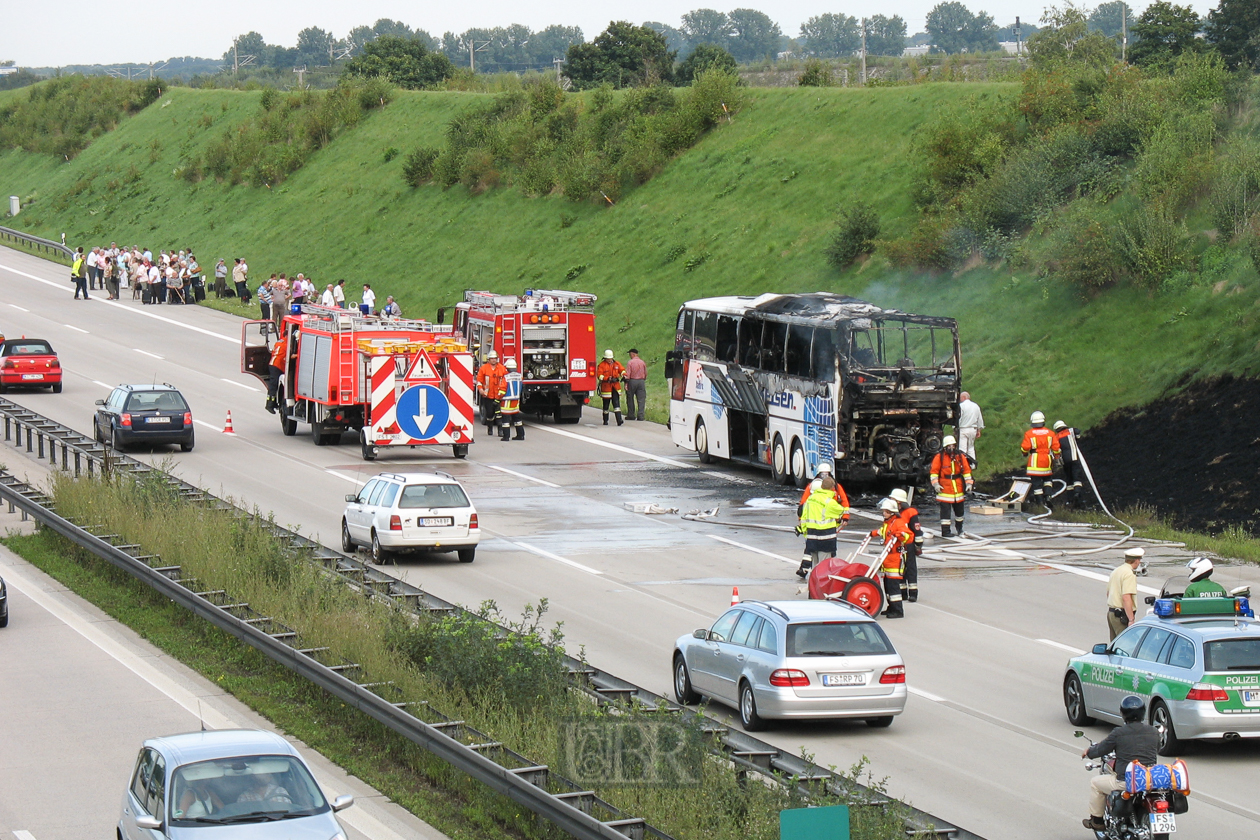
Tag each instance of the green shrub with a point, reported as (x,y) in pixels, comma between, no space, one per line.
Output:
(705,57)
(1236,187)
(961,146)
(817,73)
(268,99)
(418,165)
(1253,248)
(1154,243)
(62,116)
(924,247)
(1084,250)
(857,227)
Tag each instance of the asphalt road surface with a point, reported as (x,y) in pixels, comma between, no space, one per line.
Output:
(984,741)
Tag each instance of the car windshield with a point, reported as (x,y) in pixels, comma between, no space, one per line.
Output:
(837,638)
(254,788)
(433,496)
(1232,655)
(28,348)
(156,401)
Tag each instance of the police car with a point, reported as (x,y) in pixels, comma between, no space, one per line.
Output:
(1196,662)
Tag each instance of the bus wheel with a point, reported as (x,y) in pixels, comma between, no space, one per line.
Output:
(800,470)
(702,442)
(779,462)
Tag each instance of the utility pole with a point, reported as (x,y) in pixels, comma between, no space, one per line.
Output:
(862,66)
(301,71)
(1019,49)
(1124,32)
(559,62)
(473,49)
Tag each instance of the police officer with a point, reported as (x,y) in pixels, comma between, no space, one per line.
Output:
(489,388)
(1136,741)
(893,536)
(819,521)
(910,516)
(510,404)
(1200,584)
(1041,447)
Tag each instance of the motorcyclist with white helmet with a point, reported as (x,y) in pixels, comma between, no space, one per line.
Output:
(1201,585)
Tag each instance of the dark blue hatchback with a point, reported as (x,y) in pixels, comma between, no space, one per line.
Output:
(144,414)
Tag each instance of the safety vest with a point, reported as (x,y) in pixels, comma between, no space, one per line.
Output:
(820,517)
(76,270)
(490,379)
(609,374)
(952,472)
(510,403)
(1040,445)
(815,485)
(895,530)
(1067,444)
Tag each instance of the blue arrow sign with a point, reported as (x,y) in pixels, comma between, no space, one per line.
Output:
(422,412)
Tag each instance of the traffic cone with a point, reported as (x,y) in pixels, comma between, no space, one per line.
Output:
(227,429)
(734,596)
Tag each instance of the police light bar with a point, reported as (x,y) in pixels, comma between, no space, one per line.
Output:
(1174,607)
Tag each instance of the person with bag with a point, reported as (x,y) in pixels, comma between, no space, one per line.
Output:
(78,274)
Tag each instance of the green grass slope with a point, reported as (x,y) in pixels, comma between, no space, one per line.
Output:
(748,210)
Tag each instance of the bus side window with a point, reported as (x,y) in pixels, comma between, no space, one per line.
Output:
(798,350)
(824,354)
(773,347)
(682,339)
(727,338)
(706,336)
(863,351)
(750,342)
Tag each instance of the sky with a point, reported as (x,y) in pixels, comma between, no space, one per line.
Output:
(140,31)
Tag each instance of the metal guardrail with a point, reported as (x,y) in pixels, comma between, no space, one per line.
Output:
(44,246)
(42,437)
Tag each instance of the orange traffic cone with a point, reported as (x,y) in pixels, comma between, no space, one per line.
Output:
(734,596)
(227,429)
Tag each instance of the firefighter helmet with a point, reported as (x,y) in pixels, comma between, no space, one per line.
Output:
(1200,568)
(1037,419)
(1059,425)
(888,506)
(899,495)
(510,364)
(608,354)
(492,356)
(949,440)
(824,468)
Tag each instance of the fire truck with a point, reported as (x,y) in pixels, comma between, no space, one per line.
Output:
(551,335)
(394,382)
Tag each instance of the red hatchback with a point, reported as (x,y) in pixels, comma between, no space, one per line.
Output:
(26,362)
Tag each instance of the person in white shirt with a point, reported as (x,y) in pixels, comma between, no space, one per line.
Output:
(970,425)
(328,299)
(369,300)
(93,260)
(339,294)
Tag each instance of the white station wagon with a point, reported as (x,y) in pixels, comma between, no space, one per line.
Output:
(397,512)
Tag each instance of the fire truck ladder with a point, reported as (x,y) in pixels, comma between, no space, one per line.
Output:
(347,369)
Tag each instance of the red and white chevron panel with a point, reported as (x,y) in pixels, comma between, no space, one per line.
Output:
(459,392)
(384,396)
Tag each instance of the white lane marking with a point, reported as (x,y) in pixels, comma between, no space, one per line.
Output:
(918,692)
(753,549)
(1061,646)
(619,448)
(1063,567)
(76,329)
(102,384)
(522,475)
(240,384)
(146,353)
(23,835)
(542,553)
(187,699)
(20,309)
(126,308)
(207,425)
(336,474)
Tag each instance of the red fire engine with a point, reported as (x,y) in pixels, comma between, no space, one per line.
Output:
(551,335)
(394,382)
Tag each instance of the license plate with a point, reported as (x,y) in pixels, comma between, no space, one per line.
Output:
(1251,698)
(32,376)
(844,679)
(436,521)
(1163,823)
(157,419)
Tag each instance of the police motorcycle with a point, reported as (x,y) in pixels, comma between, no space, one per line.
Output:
(1148,814)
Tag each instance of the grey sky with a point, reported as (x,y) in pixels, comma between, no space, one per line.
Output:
(96,32)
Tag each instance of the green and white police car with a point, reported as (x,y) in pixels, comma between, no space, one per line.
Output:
(1196,662)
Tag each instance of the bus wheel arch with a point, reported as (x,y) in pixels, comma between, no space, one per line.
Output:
(799,464)
(702,442)
(780,467)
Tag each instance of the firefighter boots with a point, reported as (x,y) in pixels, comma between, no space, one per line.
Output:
(605,418)
(520,433)
(505,433)
(895,610)
(271,404)
(619,420)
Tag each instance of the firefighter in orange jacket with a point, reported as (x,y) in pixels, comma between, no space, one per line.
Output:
(895,536)
(951,479)
(279,355)
(490,387)
(608,375)
(1070,459)
(910,516)
(1041,447)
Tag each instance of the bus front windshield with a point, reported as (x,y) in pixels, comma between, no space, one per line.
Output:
(901,344)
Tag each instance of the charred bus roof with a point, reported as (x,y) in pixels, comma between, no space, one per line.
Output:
(811,308)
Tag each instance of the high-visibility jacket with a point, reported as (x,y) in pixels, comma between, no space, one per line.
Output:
(510,403)
(490,380)
(821,515)
(1067,444)
(1040,445)
(609,374)
(76,269)
(910,516)
(841,497)
(896,531)
(952,472)
(279,353)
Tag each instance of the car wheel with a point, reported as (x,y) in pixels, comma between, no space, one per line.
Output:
(379,553)
(4,619)
(347,542)
(1161,719)
(779,462)
(467,555)
(1074,701)
(882,722)
(865,594)
(702,442)
(96,432)
(748,716)
(683,692)
(56,388)
(188,447)
(113,440)
(800,476)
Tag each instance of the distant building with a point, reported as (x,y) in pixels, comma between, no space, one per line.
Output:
(4,71)
(1014,47)
(911,52)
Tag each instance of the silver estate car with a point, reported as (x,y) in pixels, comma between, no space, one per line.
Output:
(231,784)
(396,512)
(793,659)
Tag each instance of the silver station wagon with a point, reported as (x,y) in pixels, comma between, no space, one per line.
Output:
(1196,662)
(793,659)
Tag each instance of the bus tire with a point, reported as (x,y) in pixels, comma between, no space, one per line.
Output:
(779,465)
(799,466)
(702,442)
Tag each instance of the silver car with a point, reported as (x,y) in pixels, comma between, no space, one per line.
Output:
(234,783)
(793,659)
(411,512)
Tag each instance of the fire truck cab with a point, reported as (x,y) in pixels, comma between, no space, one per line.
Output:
(551,335)
(393,382)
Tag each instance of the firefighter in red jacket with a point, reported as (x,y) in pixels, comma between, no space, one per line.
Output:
(894,536)
(279,355)
(490,387)
(824,471)
(910,516)
(1041,447)
(951,479)
(608,376)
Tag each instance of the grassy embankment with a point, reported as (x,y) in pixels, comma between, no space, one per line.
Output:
(748,210)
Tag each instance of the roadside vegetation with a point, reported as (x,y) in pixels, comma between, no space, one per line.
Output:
(62,116)
(512,688)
